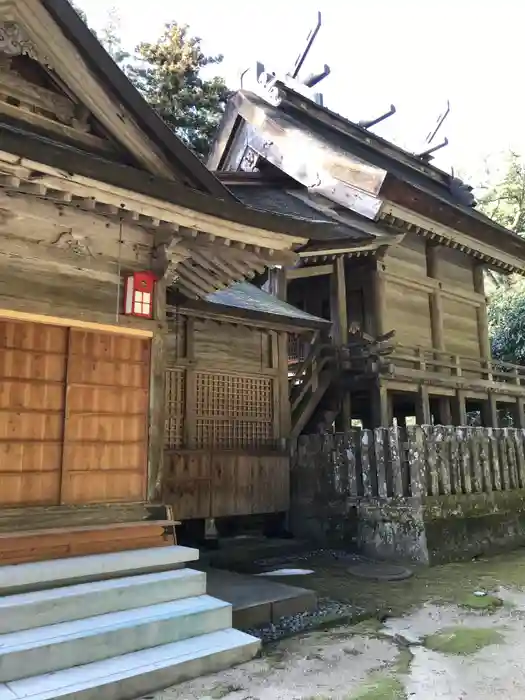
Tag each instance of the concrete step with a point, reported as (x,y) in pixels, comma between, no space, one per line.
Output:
(18,578)
(131,675)
(25,611)
(68,644)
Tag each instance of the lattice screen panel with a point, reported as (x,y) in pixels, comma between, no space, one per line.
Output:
(233,410)
(175,400)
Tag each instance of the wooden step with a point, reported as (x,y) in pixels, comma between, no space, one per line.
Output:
(58,543)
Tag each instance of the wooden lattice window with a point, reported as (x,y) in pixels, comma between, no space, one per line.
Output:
(233,410)
(175,400)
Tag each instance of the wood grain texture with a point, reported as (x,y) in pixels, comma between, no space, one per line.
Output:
(205,483)
(58,543)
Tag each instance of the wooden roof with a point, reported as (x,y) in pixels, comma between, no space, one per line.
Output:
(246,302)
(341,161)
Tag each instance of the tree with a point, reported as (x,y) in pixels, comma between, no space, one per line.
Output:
(504,202)
(169,76)
(110,39)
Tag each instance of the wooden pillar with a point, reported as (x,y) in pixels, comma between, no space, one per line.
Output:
(436,300)
(380,407)
(278,282)
(379,300)
(338,307)
(444,410)
(423,416)
(493,411)
(520,413)
(339,316)
(459,409)
(285,415)
(157,399)
(481,313)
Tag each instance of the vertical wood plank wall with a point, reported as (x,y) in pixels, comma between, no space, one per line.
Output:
(421,278)
(225,418)
(73,415)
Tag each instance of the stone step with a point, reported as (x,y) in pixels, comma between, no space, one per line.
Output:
(67,644)
(131,675)
(18,578)
(25,611)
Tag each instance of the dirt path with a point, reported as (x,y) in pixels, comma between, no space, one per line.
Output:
(448,644)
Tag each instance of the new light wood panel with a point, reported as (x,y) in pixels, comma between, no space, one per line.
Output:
(58,543)
(460,327)
(408,313)
(106,429)
(32,392)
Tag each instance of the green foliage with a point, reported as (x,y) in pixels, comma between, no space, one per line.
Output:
(168,72)
(169,76)
(506,313)
(110,39)
(505,202)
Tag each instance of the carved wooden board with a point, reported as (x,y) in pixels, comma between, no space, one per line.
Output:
(73,415)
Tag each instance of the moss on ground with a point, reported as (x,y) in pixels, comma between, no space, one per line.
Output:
(380,687)
(488,603)
(462,640)
(448,583)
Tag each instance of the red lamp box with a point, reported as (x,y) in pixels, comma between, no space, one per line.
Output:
(138,294)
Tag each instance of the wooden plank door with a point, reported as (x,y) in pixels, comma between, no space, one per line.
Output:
(32,391)
(106,424)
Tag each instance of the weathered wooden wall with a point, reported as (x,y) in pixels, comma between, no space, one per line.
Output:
(431,299)
(227,416)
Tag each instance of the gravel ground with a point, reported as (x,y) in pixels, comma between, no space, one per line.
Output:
(328,613)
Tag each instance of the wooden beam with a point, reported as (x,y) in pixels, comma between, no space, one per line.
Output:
(74,323)
(310,271)
(127,200)
(450,234)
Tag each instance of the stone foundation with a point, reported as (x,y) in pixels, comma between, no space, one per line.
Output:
(427,495)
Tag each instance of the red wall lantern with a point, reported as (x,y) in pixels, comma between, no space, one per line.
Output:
(138,294)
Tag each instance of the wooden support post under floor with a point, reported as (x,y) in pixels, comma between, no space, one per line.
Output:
(459,409)
(519,412)
(380,405)
(444,409)
(423,415)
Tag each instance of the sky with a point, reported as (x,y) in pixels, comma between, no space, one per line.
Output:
(415,54)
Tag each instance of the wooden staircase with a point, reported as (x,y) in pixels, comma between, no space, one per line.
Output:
(317,384)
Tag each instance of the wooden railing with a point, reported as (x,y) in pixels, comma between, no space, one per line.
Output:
(415,461)
(307,379)
(425,360)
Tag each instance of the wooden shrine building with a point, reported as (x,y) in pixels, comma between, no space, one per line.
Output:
(102,209)
(228,413)
(401,277)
